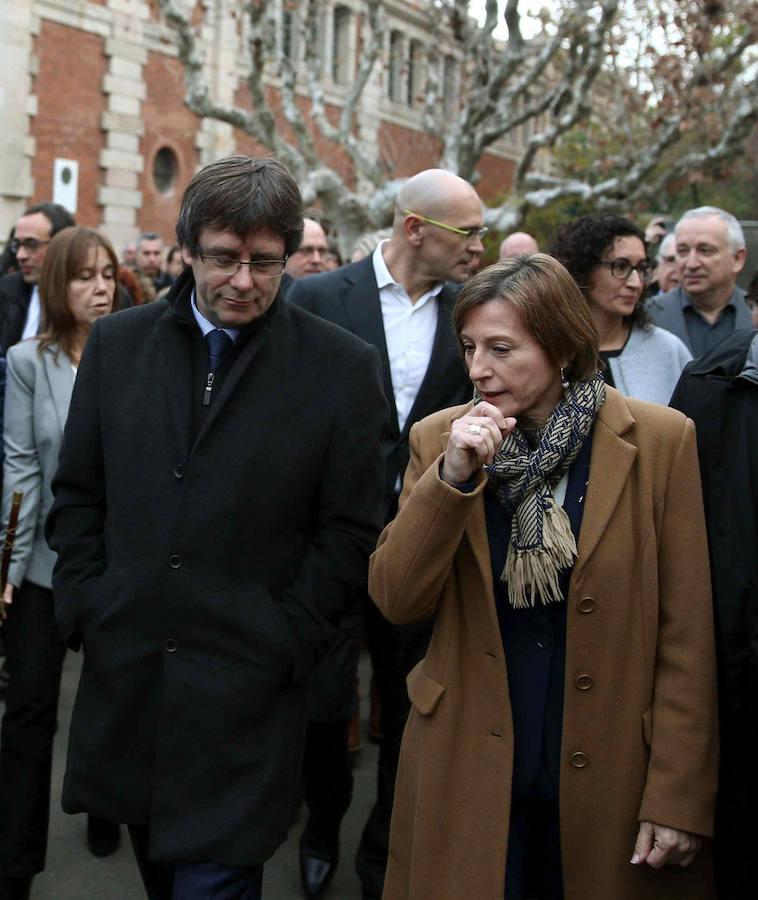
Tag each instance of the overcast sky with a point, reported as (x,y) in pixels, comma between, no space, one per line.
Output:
(528,27)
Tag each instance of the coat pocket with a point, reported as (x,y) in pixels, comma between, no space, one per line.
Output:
(423,691)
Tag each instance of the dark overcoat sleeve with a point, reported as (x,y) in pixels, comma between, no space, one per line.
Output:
(75,525)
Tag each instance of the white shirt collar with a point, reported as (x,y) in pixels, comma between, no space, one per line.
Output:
(384,276)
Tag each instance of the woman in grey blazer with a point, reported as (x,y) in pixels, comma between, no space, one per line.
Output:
(77,285)
(606,256)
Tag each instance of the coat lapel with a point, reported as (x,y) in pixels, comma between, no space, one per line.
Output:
(174,344)
(60,379)
(476,533)
(360,300)
(441,352)
(612,458)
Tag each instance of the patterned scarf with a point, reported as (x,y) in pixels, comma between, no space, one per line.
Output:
(524,473)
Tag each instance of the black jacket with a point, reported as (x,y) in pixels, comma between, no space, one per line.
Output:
(15,296)
(203,554)
(349,297)
(720,393)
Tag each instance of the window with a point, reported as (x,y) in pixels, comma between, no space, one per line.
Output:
(416,74)
(165,170)
(395,73)
(342,62)
(289,32)
(449,87)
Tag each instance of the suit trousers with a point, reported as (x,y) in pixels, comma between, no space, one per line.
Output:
(34,651)
(193,881)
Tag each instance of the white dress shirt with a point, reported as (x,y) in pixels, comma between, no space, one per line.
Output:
(31,326)
(409,330)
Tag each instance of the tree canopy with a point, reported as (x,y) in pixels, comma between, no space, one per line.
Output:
(619,100)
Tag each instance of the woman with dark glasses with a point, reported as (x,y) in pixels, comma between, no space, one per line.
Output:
(606,256)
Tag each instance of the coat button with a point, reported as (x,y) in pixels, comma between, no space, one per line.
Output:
(170,645)
(175,561)
(578,759)
(544,641)
(584,682)
(586,605)
(179,470)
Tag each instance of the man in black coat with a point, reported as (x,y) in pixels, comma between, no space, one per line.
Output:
(215,506)
(720,392)
(19,300)
(399,299)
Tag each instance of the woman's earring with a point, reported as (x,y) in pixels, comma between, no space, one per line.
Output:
(564,380)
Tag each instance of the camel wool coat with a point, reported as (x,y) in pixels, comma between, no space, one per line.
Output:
(639,721)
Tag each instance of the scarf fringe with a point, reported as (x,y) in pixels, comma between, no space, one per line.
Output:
(534,573)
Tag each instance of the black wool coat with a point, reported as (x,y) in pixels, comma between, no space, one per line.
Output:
(721,396)
(205,554)
(15,296)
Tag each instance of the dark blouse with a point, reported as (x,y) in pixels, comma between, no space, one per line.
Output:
(534,641)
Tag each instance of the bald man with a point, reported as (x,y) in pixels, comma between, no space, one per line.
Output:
(311,256)
(400,299)
(517,243)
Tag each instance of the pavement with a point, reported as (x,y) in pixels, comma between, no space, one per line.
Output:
(72,873)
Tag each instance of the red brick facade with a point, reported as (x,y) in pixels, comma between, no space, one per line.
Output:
(168,123)
(70,104)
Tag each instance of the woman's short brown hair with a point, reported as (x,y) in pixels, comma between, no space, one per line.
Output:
(65,258)
(550,304)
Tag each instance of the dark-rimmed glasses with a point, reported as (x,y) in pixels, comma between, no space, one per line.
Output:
(228,265)
(469,233)
(31,245)
(622,269)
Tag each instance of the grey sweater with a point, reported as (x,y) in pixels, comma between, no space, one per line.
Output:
(650,365)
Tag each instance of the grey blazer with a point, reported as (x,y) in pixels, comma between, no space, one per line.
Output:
(666,312)
(37,396)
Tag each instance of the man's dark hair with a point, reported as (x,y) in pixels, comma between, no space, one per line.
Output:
(241,194)
(148,236)
(58,216)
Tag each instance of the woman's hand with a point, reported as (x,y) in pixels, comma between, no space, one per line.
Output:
(7,600)
(660,846)
(474,440)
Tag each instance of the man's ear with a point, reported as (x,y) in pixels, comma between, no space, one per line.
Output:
(412,227)
(186,256)
(739,260)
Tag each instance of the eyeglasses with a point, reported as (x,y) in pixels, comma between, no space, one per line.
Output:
(470,233)
(228,265)
(31,245)
(622,269)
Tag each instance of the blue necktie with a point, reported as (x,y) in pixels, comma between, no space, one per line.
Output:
(218,343)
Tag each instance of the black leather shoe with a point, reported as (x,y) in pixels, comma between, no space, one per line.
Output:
(16,887)
(319,855)
(103,838)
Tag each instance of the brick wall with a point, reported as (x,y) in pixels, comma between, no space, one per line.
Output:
(70,103)
(168,123)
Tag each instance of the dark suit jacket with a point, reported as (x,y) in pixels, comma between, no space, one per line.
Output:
(666,311)
(203,554)
(349,297)
(15,295)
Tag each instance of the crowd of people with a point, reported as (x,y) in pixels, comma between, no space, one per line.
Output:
(528,489)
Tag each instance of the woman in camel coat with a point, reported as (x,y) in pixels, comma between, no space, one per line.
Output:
(563,721)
